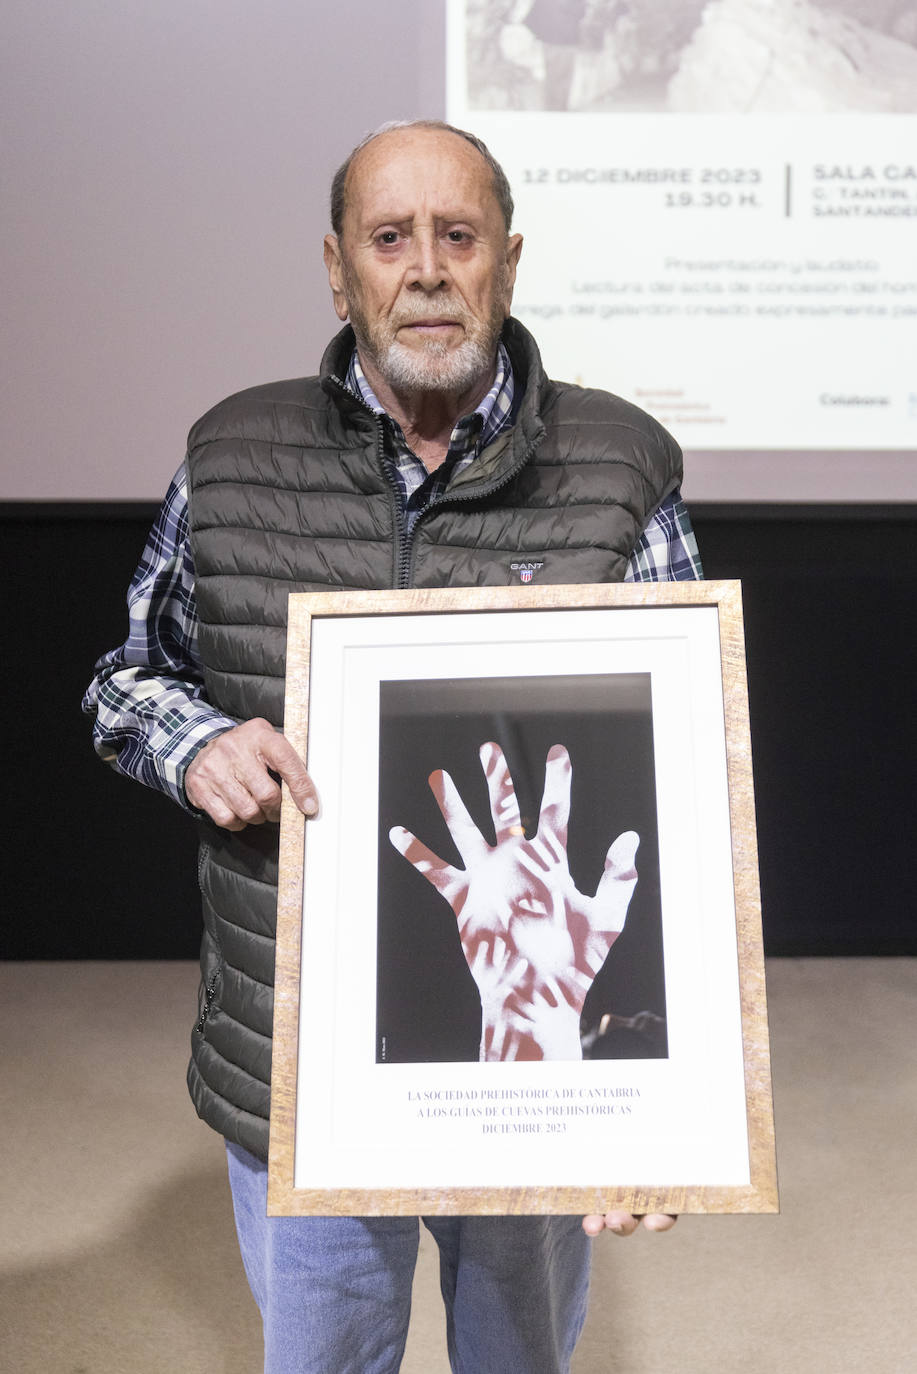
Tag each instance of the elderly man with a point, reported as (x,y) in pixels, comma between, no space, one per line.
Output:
(431,451)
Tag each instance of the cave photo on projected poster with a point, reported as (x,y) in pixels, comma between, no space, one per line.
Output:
(692,56)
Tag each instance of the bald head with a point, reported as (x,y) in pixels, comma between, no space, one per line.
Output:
(339,184)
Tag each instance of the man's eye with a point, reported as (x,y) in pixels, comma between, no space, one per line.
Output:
(387,237)
(457,235)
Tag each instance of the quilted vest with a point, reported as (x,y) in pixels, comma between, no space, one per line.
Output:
(288,493)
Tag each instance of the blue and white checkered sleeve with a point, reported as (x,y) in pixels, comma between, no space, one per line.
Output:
(667,549)
(147,696)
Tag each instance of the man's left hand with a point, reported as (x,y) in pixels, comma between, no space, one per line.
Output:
(623,1224)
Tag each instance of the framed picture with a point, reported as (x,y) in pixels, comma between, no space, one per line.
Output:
(519,961)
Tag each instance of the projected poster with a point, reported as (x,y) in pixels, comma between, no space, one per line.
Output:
(720,205)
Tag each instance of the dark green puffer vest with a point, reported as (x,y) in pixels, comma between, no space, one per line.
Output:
(288,493)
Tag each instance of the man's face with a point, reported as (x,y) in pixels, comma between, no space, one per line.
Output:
(424,268)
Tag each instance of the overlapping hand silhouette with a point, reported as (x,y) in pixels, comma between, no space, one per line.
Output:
(533,942)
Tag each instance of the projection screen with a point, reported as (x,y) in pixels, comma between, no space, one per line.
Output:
(720,202)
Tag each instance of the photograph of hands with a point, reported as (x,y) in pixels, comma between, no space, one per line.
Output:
(522,873)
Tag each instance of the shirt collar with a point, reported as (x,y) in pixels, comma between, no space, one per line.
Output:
(471,432)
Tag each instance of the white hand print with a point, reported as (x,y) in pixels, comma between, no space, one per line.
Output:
(533,941)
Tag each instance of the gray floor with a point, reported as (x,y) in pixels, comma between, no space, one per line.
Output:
(117,1254)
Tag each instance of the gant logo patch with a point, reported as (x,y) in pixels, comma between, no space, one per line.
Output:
(526,571)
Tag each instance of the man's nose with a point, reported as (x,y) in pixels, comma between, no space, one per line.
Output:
(427,268)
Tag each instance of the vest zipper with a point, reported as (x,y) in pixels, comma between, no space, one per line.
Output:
(407,557)
(209,993)
(401,539)
(404,548)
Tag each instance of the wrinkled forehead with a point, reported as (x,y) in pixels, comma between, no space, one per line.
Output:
(406,172)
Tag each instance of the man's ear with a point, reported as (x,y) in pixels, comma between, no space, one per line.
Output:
(513,250)
(335,266)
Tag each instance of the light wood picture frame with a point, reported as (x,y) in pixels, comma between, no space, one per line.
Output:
(432,1052)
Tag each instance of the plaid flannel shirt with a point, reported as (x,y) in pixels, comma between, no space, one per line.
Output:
(147,696)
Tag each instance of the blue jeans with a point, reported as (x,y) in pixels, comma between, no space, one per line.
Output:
(335,1292)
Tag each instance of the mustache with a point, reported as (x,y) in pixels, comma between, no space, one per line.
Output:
(431,307)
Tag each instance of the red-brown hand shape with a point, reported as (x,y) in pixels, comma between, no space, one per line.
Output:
(533,941)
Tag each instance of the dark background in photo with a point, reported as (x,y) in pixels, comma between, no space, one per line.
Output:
(428,1008)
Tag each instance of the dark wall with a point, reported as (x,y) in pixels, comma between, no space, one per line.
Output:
(97,867)
(830,641)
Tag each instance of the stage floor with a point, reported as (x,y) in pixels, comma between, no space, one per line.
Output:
(117,1249)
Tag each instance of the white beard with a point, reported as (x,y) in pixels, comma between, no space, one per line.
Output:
(430,366)
(434,367)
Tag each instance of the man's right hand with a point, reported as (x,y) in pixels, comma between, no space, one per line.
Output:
(231,777)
